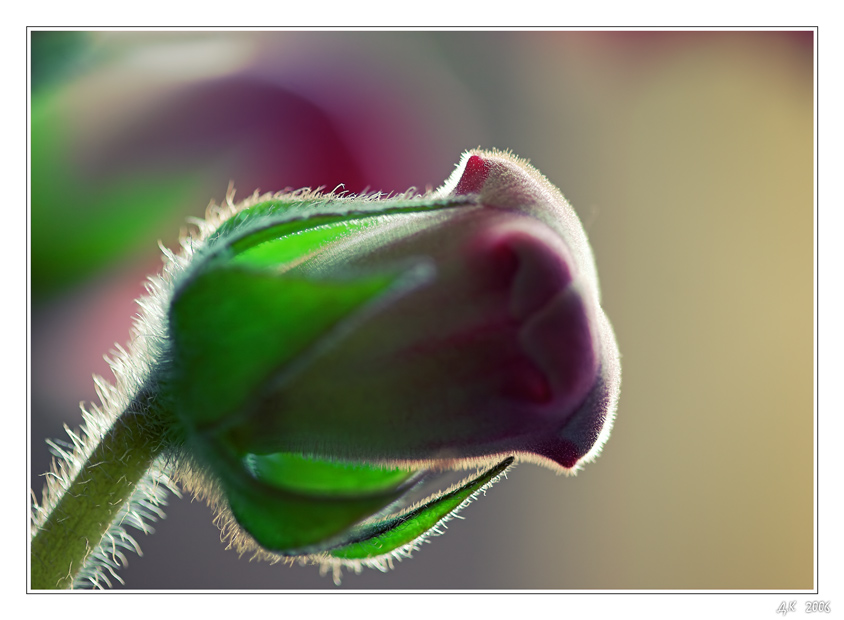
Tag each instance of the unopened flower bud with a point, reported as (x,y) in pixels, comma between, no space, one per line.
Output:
(331,354)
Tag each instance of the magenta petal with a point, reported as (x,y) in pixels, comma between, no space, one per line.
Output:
(474,176)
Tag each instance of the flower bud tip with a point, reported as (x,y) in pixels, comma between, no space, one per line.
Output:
(474,176)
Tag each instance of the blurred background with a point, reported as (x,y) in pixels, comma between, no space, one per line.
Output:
(689,157)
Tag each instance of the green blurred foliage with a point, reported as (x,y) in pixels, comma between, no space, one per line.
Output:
(55,55)
(79,225)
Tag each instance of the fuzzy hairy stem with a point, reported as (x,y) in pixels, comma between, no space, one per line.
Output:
(89,505)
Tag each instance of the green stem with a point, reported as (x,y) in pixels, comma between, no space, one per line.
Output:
(88,507)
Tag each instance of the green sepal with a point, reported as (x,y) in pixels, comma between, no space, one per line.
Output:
(280,245)
(385,536)
(233,329)
(289,215)
(312,475)
(290,522)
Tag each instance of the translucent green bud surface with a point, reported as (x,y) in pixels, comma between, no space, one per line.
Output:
(332,356)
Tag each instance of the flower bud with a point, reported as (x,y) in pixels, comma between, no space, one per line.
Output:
(331,354)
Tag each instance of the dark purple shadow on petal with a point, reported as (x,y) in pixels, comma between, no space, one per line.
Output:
(588,427)
(560,340)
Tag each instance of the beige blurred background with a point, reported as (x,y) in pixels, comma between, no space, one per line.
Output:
(689,157)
